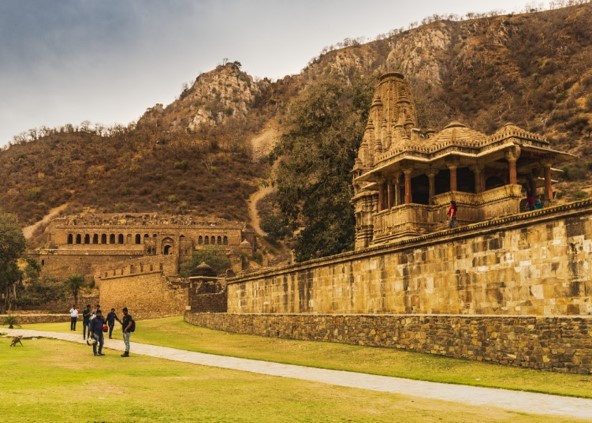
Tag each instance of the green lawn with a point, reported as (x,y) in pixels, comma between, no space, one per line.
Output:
(55,381)
(174,332)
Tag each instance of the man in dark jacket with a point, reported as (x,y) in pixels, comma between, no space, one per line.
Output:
(96,330)
(85,322)
(111,318)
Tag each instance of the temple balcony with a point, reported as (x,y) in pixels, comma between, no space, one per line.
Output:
(409,220)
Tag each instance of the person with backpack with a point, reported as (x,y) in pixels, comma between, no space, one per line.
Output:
(128,325)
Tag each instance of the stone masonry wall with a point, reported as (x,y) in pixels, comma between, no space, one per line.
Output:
(537,263)
(562,344)
(30,318)
(146,295)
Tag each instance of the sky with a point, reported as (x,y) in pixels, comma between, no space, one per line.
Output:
(107,61)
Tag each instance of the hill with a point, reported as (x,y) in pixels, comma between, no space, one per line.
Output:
(196,155)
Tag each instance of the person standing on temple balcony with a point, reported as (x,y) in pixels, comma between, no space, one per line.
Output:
(452,215)
(531,202)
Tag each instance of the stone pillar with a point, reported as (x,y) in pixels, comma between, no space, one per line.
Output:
(431,185)
(453,181)
(398,189)
(380,194)
(512,157)
(407,173)
(548,183)
(389,193)
(479,180)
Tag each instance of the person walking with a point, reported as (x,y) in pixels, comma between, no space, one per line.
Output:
(73,317)
(85,322)
(452,214)
(111,318)
(127,326)
(96,330)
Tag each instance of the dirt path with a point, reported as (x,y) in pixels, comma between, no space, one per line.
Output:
(253,213)
(30,230)
(523,402)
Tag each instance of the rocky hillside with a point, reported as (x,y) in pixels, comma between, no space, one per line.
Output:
(195,155)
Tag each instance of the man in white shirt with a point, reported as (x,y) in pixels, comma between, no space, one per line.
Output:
(73,317)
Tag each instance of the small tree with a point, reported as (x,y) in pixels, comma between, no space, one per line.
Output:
(73,285)
(12,246)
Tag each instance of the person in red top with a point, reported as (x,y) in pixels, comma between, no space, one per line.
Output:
(452,215)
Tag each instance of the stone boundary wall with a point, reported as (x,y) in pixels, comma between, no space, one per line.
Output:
(29,318)
(146,295)
(208,303)
(560,344)
(534,263)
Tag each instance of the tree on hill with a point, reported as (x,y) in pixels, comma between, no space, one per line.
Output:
(12,246)
(317,153)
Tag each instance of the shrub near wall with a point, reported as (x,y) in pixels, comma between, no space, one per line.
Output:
(561,344)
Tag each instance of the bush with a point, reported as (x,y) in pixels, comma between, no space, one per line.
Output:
(10,321)
(574,172)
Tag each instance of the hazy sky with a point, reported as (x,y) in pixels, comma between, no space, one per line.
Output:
(66,61)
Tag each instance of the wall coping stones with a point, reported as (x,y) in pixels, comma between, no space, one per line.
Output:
(481,228)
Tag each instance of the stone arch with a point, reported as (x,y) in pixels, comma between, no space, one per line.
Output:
(78,239)
(206,240)
(87,239)
(120,239)
(103,238)
(200,240)
(225,240)
(219,240)
(70,239)
(167,246)
(138,239)
(95,239)
(112,239)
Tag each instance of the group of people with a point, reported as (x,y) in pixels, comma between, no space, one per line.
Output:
(534,203)
(94,325)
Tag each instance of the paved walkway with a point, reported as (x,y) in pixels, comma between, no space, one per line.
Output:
(524,402)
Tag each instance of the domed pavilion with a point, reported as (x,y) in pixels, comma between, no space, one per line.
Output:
(405,177)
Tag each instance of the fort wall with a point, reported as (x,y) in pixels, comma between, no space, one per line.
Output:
(561,344)
(536,263)
(146,295)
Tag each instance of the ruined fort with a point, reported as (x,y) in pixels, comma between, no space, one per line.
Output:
(135,258)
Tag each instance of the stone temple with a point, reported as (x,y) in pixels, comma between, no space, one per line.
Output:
(405,176)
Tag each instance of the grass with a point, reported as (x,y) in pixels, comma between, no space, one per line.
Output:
(174,332)
(49,381)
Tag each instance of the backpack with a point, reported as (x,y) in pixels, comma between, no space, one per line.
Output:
(133,326)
